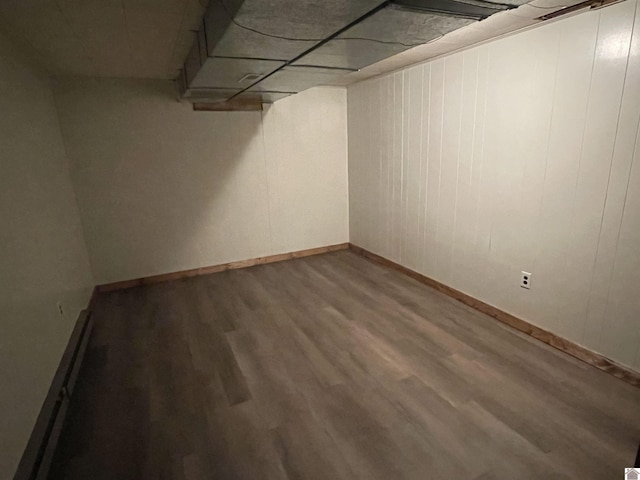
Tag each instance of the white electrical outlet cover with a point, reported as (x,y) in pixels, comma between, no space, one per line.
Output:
(525,280)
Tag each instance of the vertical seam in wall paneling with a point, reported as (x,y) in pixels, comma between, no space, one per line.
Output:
(362,169)
(379,198)
(421,198)
(635,147)
(482,143)
(426,178)
(266,174)
(397,210)
(584,129)
(369,171)
(392,118)
(346,153)
(402,170)
(491,219)
(383,166)
(546,158)
(636,153)
(384,171)
(381,233)
(473,146)
(404,187)
(398,197)
(358,170)
(606,197)
(410,257)
(392,169)
(392,133)
(399,163)
(455,198)
(444,82)
(348,177)
(475,112)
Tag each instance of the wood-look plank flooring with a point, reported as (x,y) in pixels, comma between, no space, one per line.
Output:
(332,367)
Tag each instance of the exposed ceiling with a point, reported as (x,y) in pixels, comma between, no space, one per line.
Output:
(240,38)
(495,26)
(105,38)
(268,49)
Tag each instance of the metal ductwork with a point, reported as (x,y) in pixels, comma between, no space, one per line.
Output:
(269,49)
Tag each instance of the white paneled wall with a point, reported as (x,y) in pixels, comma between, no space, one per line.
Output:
(520,154)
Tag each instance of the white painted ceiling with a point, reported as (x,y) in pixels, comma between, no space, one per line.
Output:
(105,38)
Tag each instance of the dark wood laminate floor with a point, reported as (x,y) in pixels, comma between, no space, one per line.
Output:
(332,367)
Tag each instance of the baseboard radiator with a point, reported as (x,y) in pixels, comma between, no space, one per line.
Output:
(42,444)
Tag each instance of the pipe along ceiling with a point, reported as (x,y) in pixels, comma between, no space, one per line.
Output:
(265,50)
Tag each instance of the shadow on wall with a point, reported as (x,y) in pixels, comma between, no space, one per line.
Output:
(162,188)
(43,261)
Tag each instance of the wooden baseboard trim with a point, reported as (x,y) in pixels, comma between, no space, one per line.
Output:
(165,277)
(592,358)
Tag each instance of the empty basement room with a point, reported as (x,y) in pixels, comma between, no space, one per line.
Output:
(290,239)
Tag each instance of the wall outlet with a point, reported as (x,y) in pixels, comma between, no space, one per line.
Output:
(60,309)
(525,280)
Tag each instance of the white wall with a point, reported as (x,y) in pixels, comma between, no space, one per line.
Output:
(520,154)
(162,188)
(43,260)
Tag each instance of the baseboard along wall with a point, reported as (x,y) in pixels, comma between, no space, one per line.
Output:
(166,277)
(592,358)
